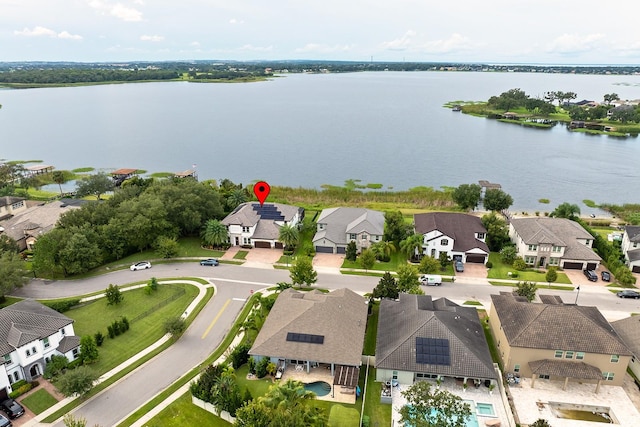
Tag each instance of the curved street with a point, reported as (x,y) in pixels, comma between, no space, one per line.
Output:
(234,285)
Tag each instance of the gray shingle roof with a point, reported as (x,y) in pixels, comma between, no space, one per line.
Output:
(633,255)
(9,200)
(339,316)
(27,321)
(633,231)
(246,216)
(68,343)
(556,327)
(400,322)
(629,331)
(565,368)
(558,232)
(341,221)
(35,220)
(462,228)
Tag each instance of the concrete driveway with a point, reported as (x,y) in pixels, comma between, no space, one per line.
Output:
(473,270)
(328,260)
(262,257)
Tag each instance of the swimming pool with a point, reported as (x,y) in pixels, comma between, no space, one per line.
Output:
(472,420)
(485,409)
(320,388)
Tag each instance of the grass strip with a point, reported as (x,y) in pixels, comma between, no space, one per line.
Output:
(39,401)
(103,385)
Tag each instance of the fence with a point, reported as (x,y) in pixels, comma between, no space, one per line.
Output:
(178,293)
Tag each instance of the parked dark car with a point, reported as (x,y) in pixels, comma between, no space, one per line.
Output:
(606,276)
(211,262)
(459,266)
(4,422)
(628,293)
(591,275)
(12,408)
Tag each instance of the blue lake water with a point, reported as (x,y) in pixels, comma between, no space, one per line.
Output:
(309,130)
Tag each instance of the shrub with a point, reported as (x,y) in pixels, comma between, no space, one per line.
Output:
(251,364)
(240,355)
(489,264)
(56,365)
(519,264)
(365,421)
(99,338)
(261,367)
(514,274)
(62,306)
(20,391)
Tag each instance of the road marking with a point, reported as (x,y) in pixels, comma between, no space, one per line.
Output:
(238,299)
(213,322)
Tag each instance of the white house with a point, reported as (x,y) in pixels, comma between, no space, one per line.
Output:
(558,242)
(460,236)
(30,333)
(259,226)
(631,247)
(336,227)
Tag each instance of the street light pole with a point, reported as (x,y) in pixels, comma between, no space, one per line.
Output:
(577,295)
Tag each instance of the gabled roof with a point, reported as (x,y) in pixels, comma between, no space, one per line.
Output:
(248,214)
(340,317)
(35,220)
(558,232)
(418,316)
(556,326)
(27,321)
(633,231)
(68,343)
(629,331)
(462,228)
(9,200)
(342,221)
(633,255)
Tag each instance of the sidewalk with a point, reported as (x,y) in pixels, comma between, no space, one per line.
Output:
(37,421)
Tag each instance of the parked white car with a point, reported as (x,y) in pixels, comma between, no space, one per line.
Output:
(142,265)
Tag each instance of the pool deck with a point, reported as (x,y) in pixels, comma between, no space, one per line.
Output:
(478,395)
(319,374)
(532,403)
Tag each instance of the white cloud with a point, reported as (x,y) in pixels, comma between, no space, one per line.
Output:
(574,43)
(411,41)
(146,38)
(234,21)
(117,10)
(455,43)
(323,48)
(256,48)
(401,43)
(47,32)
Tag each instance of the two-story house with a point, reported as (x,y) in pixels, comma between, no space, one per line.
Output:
(252,224)
(30,333)
(557,242)
(337,227)
(460,236)
(631,247)
(10,206)
(556,341)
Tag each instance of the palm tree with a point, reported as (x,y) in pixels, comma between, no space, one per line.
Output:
(411,245)
(58,178)
(289,235)
(383,249)
(288,395)
(236,197)
(214,233)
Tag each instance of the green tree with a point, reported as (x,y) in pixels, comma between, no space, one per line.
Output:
(367,259)
(519,264)
(174,326)
(236,198)
(408,280)
(540,422)
(497,231)
(496,200)
(70,420)
(566,210)
(289,235)
(422,398)
(152,285)
(12,273)
(94,185)
(76,382)
(351,252)
(167,247)
(395,228)
(113,294)
(88,350)
(412,245)
(508,254)
(59,178)
(429,265)
(551,276)
(383,250)
(79,253)
(387,287)
(467,196)
(302,272)
(444,260)
(610,97)
(7,244)
(527,290)
(215,233)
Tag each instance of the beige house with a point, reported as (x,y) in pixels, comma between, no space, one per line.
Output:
(556,341)
(10,206)
(337,227)
(629,330)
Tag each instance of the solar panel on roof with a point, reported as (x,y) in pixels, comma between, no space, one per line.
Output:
(306,338)
(432,351)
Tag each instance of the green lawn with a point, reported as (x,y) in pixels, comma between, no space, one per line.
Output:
(371,331)
(241,255)
(97,315)
(184,413)
(499,270)
(39,401)
(397,259)
(379,413)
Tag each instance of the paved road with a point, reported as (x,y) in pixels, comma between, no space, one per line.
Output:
(234,284)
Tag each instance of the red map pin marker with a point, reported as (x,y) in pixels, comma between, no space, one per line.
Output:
(261,190)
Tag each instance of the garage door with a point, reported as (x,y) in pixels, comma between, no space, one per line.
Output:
(476,258)
(592,266)
(262,245)
(636,269)
(324,249)
(279,245)
(572,266)
(342,250)
(3,394)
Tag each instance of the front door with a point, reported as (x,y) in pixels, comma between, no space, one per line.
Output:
(542,262)
(237,241)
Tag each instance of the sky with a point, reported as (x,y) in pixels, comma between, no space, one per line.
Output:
(488,31)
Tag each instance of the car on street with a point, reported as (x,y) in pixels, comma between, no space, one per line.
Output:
(430,280)
(4,422)
(12,408)
(459,266)
(210,262)
(628,293)
(606,276)
(142,265)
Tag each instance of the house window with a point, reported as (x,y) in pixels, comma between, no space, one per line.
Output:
(543,376)
(45,342)
(7,359)
(516,368)
(608,376)
(395,375)
(559,354)
(17,205)
(62,331)
(33,350)
(377,238)
(615,358)
(245,229)
(320,226)
(28,352)
(16,377)
(530,260)
(75,353)
(444,242)
(532,247)
(580,355)
(426,376)
(556,249)
(364,237)
(353,237)
(554,261)
(480,235)
(246,240)
(568,355)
